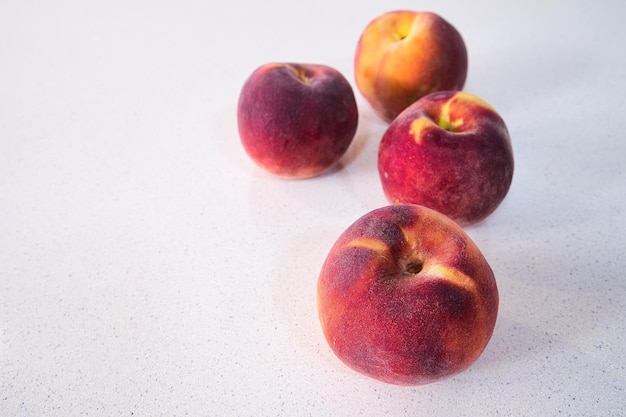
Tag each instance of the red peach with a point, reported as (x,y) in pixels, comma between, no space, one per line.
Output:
(404,296)
(296,120)
(449,151)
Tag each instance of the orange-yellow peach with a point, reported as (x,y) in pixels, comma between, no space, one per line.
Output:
(449,151)
(405,297)
(296,120)
(403,55)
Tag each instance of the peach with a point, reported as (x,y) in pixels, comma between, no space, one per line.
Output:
(404,55)
(296,120)
(449,151)
(405,297)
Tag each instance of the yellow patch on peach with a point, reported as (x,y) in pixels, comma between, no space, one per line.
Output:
(373,244)
(444,117)
(453,276)
(417,126)
(300,73)
(401,25)
(464,97)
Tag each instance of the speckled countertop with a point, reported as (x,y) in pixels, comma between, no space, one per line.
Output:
(148,268)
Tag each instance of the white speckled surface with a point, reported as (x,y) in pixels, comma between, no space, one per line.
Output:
(148,268)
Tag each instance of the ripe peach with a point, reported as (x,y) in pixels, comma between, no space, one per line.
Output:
(403,55)
(296,120)
(449,151)
(405,296)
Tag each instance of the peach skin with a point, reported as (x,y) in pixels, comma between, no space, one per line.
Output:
(404,55)
(296,120)
(449,151)
(405,297)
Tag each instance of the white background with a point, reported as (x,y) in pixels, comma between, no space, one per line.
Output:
(149,268)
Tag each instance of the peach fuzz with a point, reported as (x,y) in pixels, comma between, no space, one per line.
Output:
(450,151)
(404,55)
(296,120)
(405,297)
